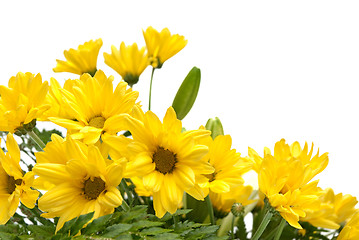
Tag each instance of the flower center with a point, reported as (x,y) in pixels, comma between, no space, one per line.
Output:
(93,188)
(165,160)
(211,177)
(11,184)
(97,122)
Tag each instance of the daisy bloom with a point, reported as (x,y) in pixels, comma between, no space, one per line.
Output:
(167,159)
(14,185)
(228,165)
(128,61)
(86,183)
(351,229)
(82,60)
(22,102)
(284,178)
(93,108)
(335,210)
(162,45)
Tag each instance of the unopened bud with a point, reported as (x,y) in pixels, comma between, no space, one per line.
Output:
(237,209)
(215,126)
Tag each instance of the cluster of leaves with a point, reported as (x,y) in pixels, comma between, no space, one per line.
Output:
(133,224)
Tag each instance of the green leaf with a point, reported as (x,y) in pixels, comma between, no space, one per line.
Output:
(200,210)
(117,229)
(74,225)
(167,236)
(145,224)
(187,93)
(80,222)
(40,230)
(203,232)
(155,231)
(96,225)
(8,236)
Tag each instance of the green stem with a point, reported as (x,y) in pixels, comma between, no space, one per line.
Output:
(149,100)
(210,210)
(280,229)
(125,206)
(263,225)
(123,184)
(232,226)
(36,139)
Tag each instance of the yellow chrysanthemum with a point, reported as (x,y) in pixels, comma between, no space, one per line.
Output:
(83,182)
(351,229)
(14,185)
(80,61)
(228,165)
(335,210)
(129,62)
(284,179)
(167,160)
(22,102)
(162,45)
(222,202)
(92,107)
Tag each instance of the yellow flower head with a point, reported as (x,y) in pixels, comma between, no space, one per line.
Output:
(335,210)
(22,102)
(14,185)
(129,62)
(228,165)
(162,45)
(82,60)
(351,229)
(167,159)
(284,179)
(83,182)
(92,107)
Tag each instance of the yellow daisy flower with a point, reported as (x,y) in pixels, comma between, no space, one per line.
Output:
(351,229)
(162,45)
(14,185)
(167,160)
(82,60)
(22,102)
(85,183)
(284,179)
(335,210)
(93,108)
(227,163)
(129,62)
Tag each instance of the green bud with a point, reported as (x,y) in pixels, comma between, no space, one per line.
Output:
(237,209)
(187,93)
(215,126)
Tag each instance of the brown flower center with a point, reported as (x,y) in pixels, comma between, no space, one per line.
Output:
(11,184)
(211,177)
(93,188)
(165,160)
(97,122)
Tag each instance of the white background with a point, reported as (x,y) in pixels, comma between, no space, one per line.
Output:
(270,69)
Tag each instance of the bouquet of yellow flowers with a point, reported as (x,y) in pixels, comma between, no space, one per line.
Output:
(122,173)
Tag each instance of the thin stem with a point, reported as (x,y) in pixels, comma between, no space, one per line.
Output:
(210,210)
(36,139)
(149,100)
(125,206)
(263,225)
(232,226)
(280,229)
(123,184)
